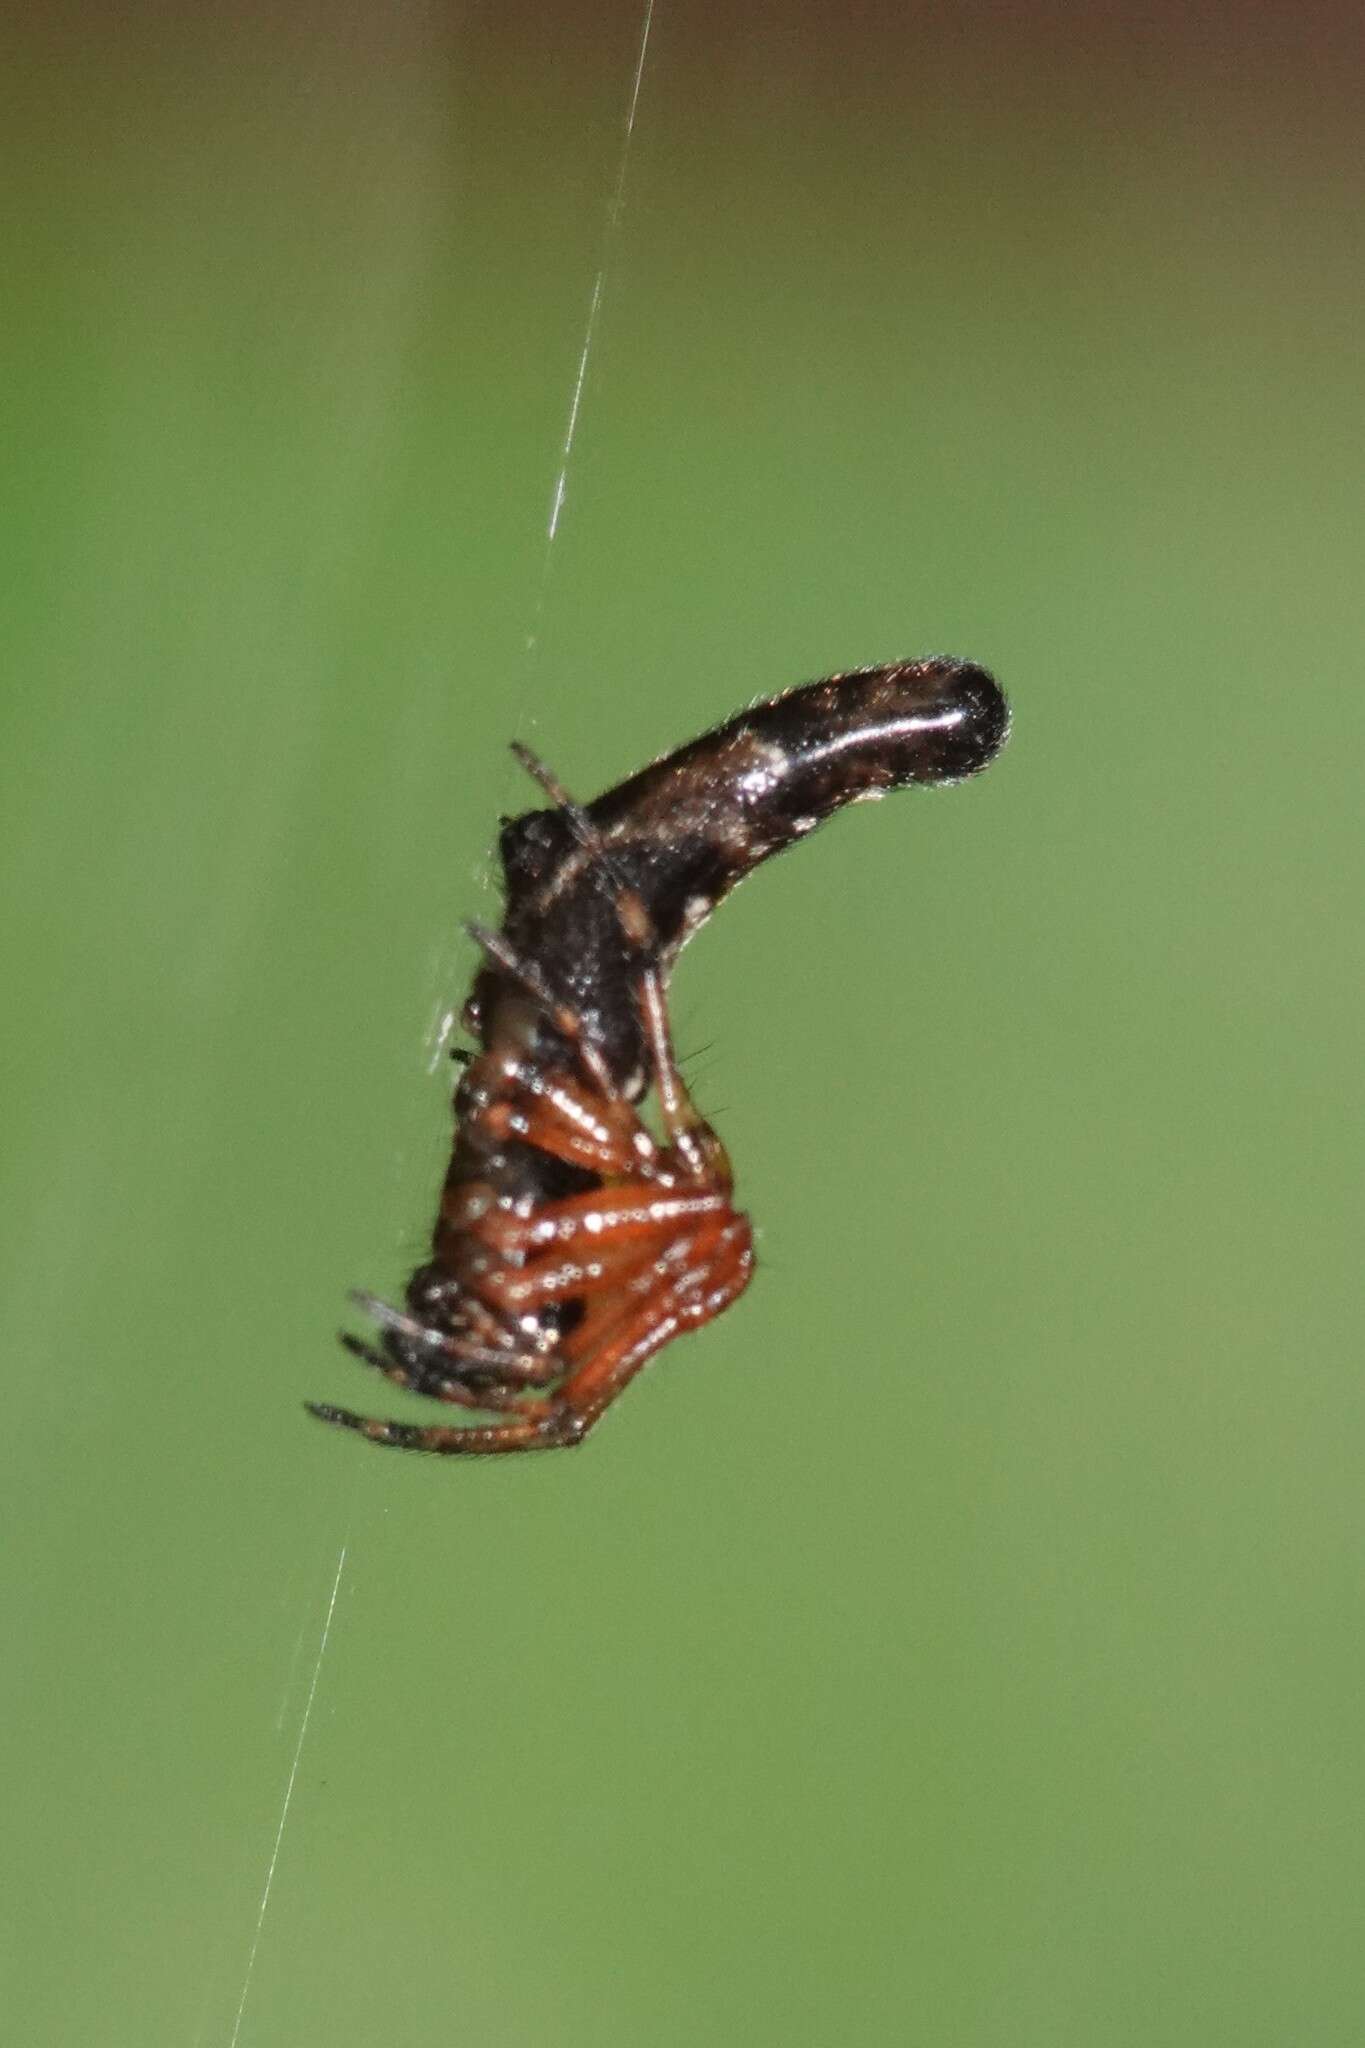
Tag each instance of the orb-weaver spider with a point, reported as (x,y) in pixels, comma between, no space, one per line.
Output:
(572,1244)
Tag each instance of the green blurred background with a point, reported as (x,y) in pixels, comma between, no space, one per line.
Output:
(961,1642)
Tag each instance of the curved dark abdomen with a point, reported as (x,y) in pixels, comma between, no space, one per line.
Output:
(693,824)
(686,829)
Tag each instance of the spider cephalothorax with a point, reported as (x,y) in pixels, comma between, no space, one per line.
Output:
(572,1243)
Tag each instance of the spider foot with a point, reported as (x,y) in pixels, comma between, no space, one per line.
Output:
(542,1429)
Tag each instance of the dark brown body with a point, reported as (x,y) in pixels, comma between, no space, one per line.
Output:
(570,1243)
(689,827)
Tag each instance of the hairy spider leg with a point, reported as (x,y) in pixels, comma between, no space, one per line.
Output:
(605,1312)
(639,1212)
(628,1250)
(563,1118)
(467,1349)
(717,1270)
(631,1232)
(437,1386)
(440,1349)
(584,830)
(590,1244)
(690,1137)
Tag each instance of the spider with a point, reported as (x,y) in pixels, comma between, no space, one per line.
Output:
(571,1243)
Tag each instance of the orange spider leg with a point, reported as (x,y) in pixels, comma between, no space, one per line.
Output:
(444,1387)
(580,1245)
(474,1439)
(566,1120)
(717,1269)
(606,1310)
(633,1213)
(498,1354)
(690,1136)
(714,1269)
(595,1248)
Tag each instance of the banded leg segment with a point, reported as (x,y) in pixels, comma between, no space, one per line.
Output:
(433,1384)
